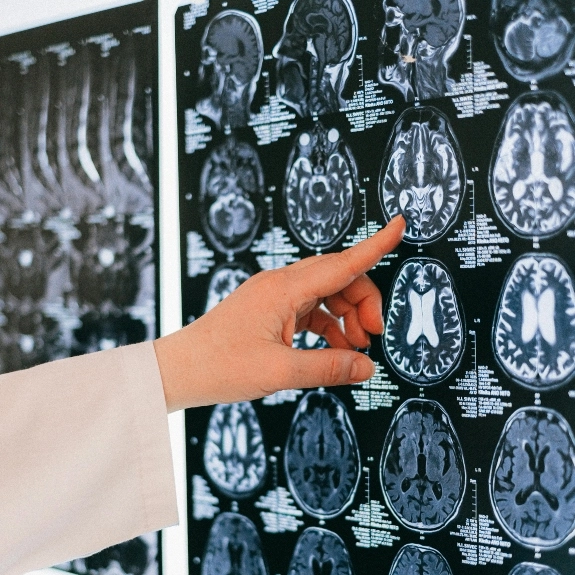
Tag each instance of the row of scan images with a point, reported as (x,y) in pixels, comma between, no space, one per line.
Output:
(534,40)
(422,469)
(234,546)
(533,333)
(532,178)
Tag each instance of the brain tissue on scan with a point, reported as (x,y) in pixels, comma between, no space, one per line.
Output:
(315,54)
(424,332)
(534,38)
(225,279)
(534,327)
(532,569)
(415,559)
(422,468)
(318,552)
(422,174)
(532,479)
(234,453)
(233,546)
(532,177)
(321,459)
(320,188)
(232,196)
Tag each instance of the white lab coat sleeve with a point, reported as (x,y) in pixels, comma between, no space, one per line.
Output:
(85,458)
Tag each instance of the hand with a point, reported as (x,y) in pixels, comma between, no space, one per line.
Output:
(242,349)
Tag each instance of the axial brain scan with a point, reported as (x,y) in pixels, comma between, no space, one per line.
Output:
(234,547)
(320,552)
(232,55)
(422,174)
(224,281)
(234,454)
(418,39)
(532,569)
(532,479)
(533,168)
(424,332)
(534,38)
(534,330)
(419,560)
(322,457)
(232,196)
(422,468)
(320,188)
(315,54)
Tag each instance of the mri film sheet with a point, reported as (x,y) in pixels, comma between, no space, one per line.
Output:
(304,127)
(78,183)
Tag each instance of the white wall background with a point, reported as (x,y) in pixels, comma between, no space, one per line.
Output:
(20,15)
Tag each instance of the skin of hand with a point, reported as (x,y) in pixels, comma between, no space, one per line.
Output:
(242,349)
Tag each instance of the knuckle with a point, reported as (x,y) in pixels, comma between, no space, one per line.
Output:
(337,370)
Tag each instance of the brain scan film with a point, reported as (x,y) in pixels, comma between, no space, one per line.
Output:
(315,54)
(234,547)
(424,332)
(225,279)
(532,176)
(417,41)
(532,569)
(534,329)
(422,468)
(422,174)
(419,560)
(321,456)
(309,340)
(321,188)
(234,454)
(232,55)
(532,479)
(534,38)
(232,196)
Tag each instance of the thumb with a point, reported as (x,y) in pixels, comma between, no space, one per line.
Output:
(327,367)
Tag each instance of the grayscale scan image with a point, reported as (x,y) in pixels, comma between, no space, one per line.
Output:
(418,39)
(225,279)
(314,55)
(309,340)
(532,176)
(532,479)
(231,61)
(534,329)
(234,453)
(321,187)
(422,174)
(322,461)
(424,329)
(422,470)
(534,38)
(415,559)
(232,196)
(532,569)
(233,547)
(320,552)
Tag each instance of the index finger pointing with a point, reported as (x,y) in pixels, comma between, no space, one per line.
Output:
(326,275)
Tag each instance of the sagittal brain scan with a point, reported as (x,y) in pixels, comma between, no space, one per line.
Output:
(320,552)
(422,468)
(314,55)
(232,196)
(419,560)
(534,329)
(534,38)
(321,187)
(533,168)
(424,332)
(418,39)
(532,479)
(321,456)
(532,569)
(234,454)
(233,547)
(422,174)
(232,55)
(225,279)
